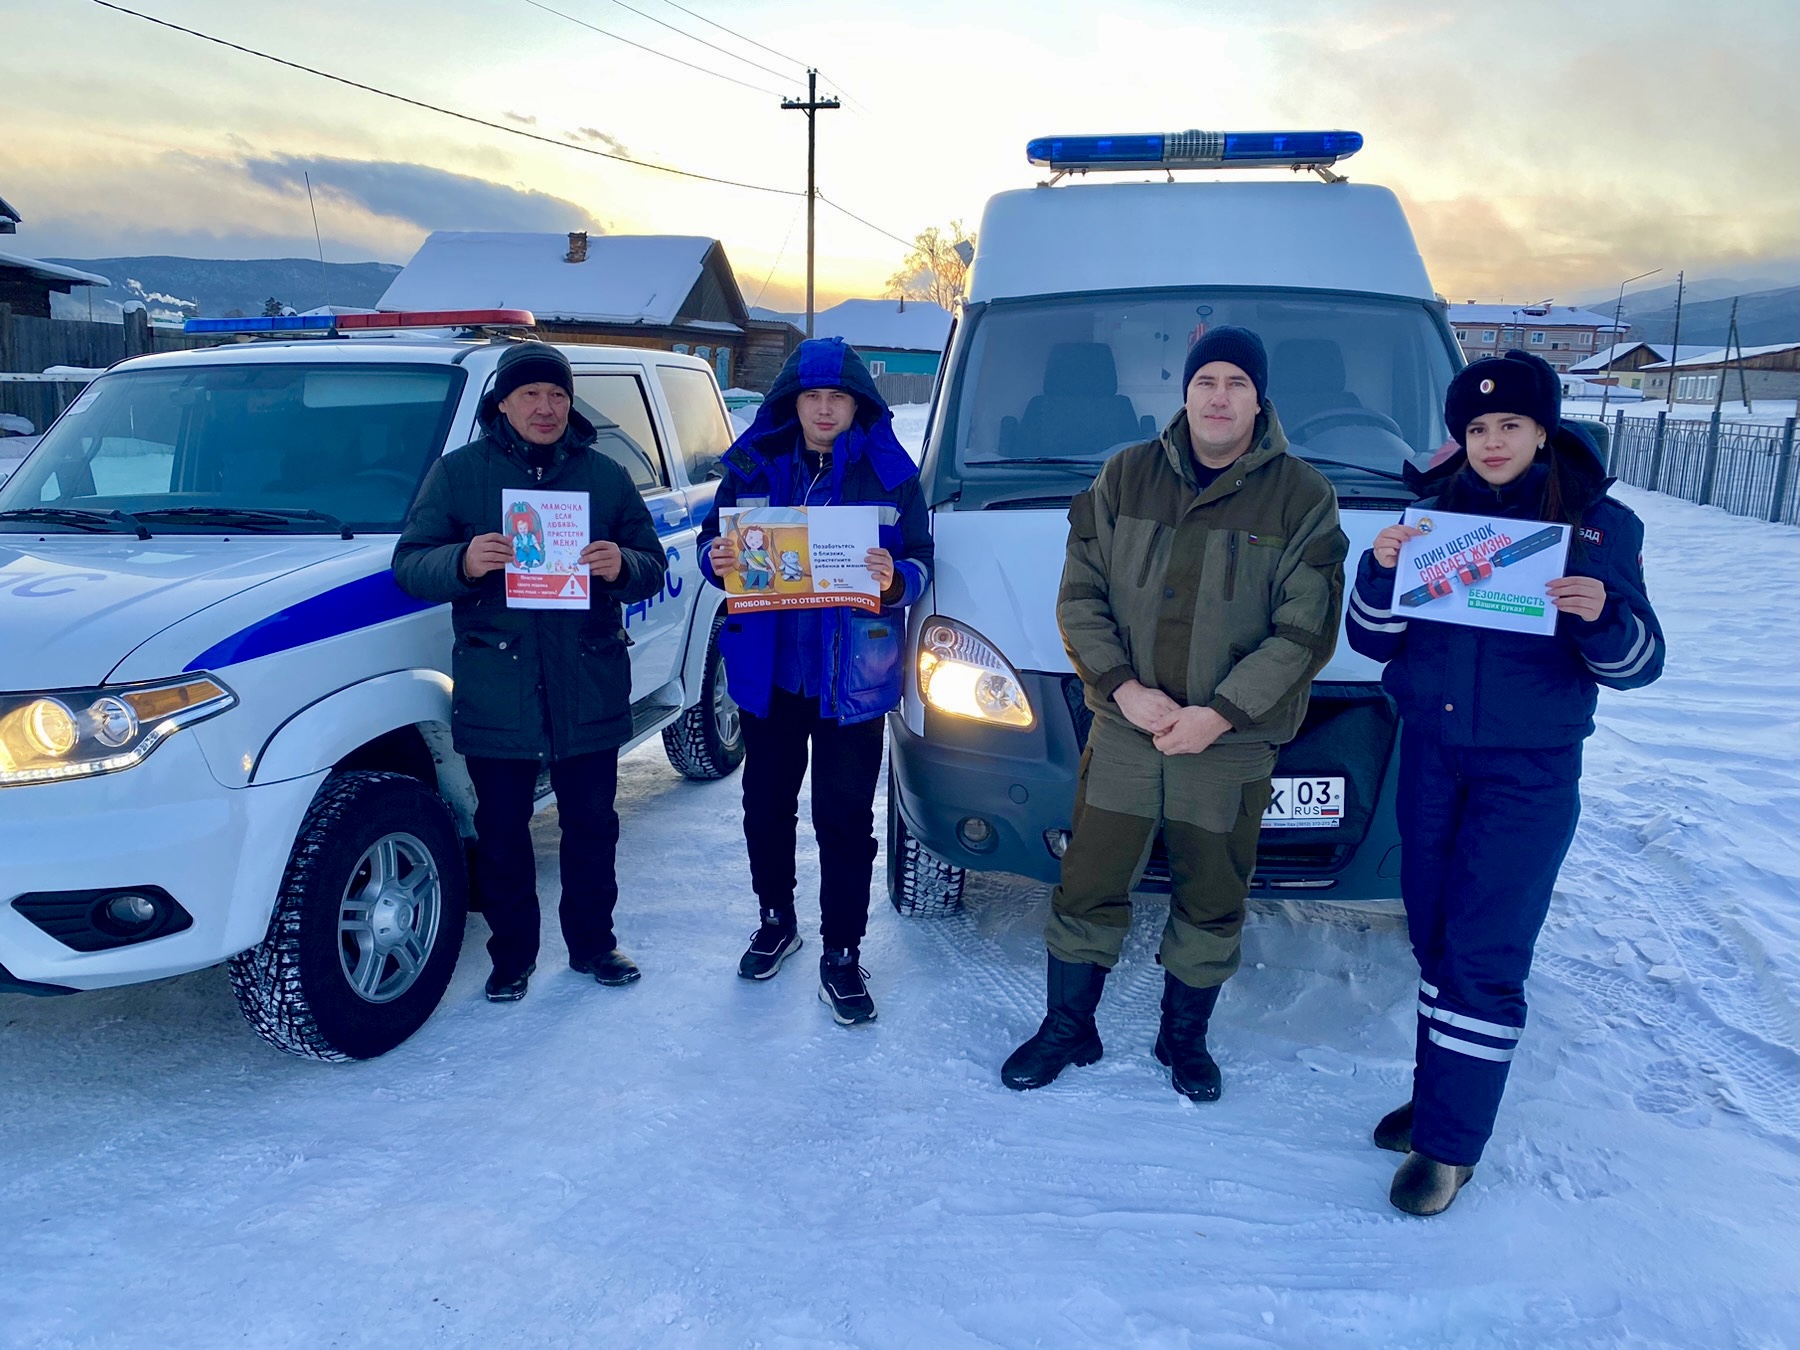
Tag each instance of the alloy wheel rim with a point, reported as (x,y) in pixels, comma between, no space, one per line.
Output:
(388,917)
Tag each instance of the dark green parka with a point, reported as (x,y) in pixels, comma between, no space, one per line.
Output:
(531,683)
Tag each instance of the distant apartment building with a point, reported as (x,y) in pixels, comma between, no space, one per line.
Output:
(1622,364)
(1562,334)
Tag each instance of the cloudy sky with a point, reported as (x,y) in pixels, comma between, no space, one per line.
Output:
(1542,147)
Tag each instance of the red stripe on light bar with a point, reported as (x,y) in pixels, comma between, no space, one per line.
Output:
(442,318)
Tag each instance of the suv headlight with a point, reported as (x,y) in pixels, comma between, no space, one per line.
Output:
(960,673)
(76,733)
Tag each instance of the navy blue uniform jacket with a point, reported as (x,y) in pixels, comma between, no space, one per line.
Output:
(1474,687)
(863,654)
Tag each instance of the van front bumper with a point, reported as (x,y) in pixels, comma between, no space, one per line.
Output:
(1021,784)
(165,825)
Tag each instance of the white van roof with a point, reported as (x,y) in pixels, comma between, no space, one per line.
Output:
(1132,236)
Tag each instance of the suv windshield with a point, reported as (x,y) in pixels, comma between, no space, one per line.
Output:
(287,447)
(1049,388)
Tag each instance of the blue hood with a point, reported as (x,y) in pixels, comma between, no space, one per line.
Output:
(829,363)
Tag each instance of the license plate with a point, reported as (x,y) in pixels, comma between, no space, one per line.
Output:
(1305,804)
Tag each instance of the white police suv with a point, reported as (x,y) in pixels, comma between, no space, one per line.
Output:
(1083,301)
(224,730)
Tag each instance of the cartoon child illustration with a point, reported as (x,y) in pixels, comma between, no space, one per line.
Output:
(790,566)
(754,560)
(526,531)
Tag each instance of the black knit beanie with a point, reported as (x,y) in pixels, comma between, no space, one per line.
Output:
(1515,383)
(532,363)
(1239,346)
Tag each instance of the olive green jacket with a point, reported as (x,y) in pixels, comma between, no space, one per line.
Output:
(1227,598)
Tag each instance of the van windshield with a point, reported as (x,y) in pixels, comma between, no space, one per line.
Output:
(1050,388)
(280,447)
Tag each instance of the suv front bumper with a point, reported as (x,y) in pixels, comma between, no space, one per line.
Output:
(167,823)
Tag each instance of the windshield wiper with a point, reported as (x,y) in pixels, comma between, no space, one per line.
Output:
(1354,468)
(271,519)
(80,518)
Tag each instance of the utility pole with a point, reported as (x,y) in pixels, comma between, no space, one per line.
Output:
(1675,346)
(811,107)
(1613,351)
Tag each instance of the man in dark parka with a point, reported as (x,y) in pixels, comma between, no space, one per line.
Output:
(537,687)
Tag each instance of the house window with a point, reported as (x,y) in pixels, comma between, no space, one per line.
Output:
(878,367)
(1487,337)
(1462,335)
(1584,339)
(682,348)
(1537,338)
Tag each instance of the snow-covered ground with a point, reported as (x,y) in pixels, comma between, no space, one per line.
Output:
(700,1161)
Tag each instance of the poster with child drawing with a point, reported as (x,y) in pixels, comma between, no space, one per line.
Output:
(798,557)
(547,531)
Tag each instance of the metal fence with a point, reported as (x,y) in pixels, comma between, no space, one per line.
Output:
(1738,467)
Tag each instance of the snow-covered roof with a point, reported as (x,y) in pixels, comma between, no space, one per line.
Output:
(1531,316)
(43,271)
(1722,355)
(1620,350)
(627,278)
(7,213)
(882,325)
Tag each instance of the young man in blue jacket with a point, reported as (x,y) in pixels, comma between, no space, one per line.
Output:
(822,677)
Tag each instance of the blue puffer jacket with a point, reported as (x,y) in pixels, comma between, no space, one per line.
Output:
(1474,687)
(863,654)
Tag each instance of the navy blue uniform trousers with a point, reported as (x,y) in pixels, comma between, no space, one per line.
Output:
(1483,832)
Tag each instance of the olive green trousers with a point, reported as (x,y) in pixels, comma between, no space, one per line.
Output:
(1209,872)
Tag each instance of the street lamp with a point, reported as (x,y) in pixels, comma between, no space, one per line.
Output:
(1613,347)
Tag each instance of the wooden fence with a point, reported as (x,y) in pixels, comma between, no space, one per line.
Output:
(30,345)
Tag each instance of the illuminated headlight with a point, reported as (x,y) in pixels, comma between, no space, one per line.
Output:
(960,673)
(76,733)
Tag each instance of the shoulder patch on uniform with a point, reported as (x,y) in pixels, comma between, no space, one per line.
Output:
(1593,536)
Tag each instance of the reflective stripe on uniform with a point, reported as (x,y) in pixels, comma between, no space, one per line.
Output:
(1470,1048)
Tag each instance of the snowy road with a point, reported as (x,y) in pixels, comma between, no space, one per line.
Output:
(697,1161)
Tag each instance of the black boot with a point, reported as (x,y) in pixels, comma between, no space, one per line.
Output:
(610,967)
(770,945)
(1394,1132)
(1425,1186)
(1068,1034)
(1181,1039)
(509,988)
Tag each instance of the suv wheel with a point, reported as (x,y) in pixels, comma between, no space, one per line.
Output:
(708,740)
(919,882)
(367,926)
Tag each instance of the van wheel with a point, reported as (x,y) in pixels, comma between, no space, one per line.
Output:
(708,740)
(919,882)
(367,926)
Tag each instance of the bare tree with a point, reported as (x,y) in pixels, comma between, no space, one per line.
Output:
(936,269)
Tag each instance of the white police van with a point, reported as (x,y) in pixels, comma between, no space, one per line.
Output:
(224,730)
(1082,303)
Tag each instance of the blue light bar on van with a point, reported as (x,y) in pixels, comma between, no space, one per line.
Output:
(1195,150)
(271,323)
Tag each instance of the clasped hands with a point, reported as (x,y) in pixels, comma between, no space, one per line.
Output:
(1173,729)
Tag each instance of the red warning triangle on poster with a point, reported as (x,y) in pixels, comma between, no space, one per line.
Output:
(576,589)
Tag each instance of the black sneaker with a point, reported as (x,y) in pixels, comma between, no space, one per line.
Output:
(842,987)
(509,988)
(609,968)
(770,945)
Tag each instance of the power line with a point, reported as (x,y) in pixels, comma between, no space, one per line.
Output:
(449,112)
(767,70)
(734,33)
(793,220)
(729,79)
(860,221)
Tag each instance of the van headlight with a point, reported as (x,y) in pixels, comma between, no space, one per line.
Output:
(960,673)
(76,733)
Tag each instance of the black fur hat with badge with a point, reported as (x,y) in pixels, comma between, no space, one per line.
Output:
(1515,383)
